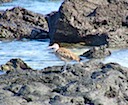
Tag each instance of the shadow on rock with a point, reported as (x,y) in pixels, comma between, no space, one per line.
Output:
(18,23)
(97,52)
(95,23)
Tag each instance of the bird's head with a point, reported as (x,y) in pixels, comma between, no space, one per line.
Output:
(55,46)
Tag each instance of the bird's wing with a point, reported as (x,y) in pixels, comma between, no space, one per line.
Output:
(65,53)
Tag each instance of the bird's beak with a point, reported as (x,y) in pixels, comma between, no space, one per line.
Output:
(50,47)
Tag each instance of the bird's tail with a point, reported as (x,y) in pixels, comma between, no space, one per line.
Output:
(81,59)
(81,63)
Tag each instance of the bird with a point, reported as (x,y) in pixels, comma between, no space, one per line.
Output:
(64,54)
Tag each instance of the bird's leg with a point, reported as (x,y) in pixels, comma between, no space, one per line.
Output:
(64,68)
(81,63)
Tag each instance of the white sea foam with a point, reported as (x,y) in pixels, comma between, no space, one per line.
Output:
(35,53)
(37,56)
(120,57)
(38,6)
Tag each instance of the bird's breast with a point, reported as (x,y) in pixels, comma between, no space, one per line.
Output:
(66,54)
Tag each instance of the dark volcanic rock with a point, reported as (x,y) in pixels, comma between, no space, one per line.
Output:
(52,19)
(15,64)
(95,22)
(20,23)
(97,52)
(92,83)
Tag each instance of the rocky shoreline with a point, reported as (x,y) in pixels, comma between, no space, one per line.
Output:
(102,24)
(94,23)
(92,83)
(18,23)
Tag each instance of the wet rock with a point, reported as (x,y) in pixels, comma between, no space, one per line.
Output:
(15,64)
(97,52)
(92,83)
(18,23)
(97,22)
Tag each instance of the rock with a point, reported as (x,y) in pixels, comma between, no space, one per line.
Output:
(92,83)
(15,64)
(97,52)
(18,23)
(96,23)
(52,21)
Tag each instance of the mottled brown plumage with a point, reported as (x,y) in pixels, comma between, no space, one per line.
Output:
(64,54)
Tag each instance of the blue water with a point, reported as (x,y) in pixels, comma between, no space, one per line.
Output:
(119,56)
(38,6)
(35,53)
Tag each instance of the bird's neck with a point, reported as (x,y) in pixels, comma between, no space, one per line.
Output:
(57,48)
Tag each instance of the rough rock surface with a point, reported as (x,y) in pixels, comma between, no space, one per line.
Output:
(95,22)
(14,65)
(92,83)
(20,23)
(52,19)
(97,52)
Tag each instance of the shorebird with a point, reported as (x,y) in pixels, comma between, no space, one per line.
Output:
(64,54)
